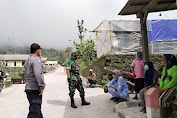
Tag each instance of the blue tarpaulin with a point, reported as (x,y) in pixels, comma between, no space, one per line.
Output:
(163,30)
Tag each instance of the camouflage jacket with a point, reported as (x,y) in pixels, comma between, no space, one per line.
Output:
(74,69)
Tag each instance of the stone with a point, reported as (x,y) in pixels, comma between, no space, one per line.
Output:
(133,112)
(121,105)
(106,63)
(152,98)
(152,103)
(153,112)
(93,86)
(129,109)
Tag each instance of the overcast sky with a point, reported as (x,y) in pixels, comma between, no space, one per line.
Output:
(52,23)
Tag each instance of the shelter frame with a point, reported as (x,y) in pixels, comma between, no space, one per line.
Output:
(141,8)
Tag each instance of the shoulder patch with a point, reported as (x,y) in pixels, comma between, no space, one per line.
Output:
(38,60)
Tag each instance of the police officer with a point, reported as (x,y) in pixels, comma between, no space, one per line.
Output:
(74,80)
(34,82)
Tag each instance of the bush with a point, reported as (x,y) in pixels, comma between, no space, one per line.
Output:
(82,64)
(15,75)
(8,84)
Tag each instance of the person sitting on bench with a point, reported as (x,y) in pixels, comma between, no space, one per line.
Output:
(168,81)
(150,80)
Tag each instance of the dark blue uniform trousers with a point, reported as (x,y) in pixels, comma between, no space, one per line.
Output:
(35,101)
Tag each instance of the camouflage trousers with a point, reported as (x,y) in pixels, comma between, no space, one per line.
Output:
(73,85)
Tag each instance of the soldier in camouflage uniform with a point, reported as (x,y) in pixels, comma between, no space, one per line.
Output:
(74,80)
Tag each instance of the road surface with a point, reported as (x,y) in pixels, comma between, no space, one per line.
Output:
(56,102)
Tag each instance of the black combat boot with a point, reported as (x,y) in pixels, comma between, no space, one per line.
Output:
(85,102)
(72,103)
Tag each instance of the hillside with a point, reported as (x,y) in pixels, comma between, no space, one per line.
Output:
(107,63)
(51,54)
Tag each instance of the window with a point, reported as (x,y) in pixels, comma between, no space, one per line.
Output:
(6,63)
(15,63)
(23,63)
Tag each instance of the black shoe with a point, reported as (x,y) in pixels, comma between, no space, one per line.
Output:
(113,98)
(85,102)
(117,99)
(72,103)
(121,100)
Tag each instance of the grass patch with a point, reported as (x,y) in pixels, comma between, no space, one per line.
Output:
(15,75)
(82,64)
(8,84)
(104,81)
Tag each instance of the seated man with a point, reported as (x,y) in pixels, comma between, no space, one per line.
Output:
(91,77)
(118,87)
(110,77)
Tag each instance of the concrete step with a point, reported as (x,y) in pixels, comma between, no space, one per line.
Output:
(93,86)
(133,112)
(129,109)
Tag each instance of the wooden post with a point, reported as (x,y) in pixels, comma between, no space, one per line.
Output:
(101,41)
(145,48)
(152,48)
(110,36)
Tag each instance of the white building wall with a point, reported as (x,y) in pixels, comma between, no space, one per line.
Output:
(11,63)
(19,64)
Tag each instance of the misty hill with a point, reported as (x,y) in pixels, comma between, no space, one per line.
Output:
(51,54)
(22,50)
(14,50)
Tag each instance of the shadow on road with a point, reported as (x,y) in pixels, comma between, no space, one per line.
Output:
(56,102)
(101,107)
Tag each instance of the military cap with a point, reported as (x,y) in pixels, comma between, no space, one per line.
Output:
(74,54)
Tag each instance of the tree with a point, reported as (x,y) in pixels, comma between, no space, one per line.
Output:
(3,66)
(89,49)
(10,50)
(81,29)
(68,51)
(86,50)
(27,52)
(52,52)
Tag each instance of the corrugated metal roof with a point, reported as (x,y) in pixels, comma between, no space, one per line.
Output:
(136,6)
(17,57)
(122,26)
(51,62)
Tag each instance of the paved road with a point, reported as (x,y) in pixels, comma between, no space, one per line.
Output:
(56,102)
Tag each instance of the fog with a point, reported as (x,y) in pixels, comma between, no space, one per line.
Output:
(52,23)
